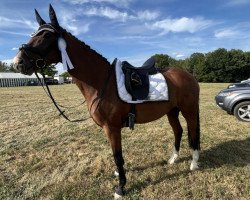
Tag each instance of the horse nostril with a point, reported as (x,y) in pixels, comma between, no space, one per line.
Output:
(18,67)
(20,62)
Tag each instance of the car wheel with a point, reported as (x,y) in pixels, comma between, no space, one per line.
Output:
(242,111)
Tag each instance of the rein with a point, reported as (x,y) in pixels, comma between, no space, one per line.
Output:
(49,94)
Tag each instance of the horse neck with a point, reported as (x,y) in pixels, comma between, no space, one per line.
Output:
(90,68)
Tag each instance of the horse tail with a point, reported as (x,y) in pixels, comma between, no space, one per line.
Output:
(194,140)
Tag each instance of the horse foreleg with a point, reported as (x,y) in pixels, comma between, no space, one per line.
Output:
(177,129)
(119,191)
(114,135)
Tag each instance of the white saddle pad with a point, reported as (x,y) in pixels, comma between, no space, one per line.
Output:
(158,90)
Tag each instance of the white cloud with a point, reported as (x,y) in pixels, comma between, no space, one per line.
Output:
(226,33)
(148,15)
(237,2)
(180,56)
(115,14)
(107,12)
(76,29)
(137,60)
(15,33)
(59,68)
(124,3)
(14,48)
(8,61)
(17,23)
(69,19)
(183,24)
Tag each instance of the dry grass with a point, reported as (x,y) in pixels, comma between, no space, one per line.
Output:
(44,157)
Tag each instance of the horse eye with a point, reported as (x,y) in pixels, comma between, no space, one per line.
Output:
(47,35)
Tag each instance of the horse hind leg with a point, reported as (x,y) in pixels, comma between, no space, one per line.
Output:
(193,124)
(177,129)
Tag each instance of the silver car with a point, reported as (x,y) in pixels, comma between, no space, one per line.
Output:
(235,101)
(245,83)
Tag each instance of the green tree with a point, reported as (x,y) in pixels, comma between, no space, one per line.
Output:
(3,67)
(237,65)
(246,68)
(162,60)
(182,63)
(196,64)
(65,75)
(219,65)
(215,66)
(11,68)
(50,70)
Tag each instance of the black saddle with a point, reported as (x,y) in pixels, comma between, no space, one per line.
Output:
(137,78)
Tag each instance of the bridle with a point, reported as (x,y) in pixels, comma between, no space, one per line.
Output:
(41,61)
(41,64)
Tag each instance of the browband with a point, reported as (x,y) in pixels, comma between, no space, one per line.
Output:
(45,27)
(67,64)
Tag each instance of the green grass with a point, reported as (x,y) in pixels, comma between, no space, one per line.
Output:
(42,156)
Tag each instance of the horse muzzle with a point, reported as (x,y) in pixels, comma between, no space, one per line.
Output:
(23,66)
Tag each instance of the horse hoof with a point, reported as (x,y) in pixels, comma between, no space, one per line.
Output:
(172,159)
(194,166)
(117,196)
(116,174)
(118,193)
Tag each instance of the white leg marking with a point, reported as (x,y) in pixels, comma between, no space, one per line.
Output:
(173,156)
(194,163)
(117,196)
(116,173)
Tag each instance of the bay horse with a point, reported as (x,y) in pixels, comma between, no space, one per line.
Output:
(95,77)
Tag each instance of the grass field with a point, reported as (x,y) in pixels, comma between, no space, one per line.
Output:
(42,156)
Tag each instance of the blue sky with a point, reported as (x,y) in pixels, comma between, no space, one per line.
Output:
(133,30)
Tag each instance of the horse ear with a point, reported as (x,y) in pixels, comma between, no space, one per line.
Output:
(52,16)
(39,19)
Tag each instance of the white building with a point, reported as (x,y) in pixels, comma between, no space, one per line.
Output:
(16,79)
(60,79)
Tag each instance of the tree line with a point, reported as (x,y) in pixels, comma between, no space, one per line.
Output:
(4,67)
(49,71)
(220,65)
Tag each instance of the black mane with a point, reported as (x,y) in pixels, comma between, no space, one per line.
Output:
(59,31)
(88,47)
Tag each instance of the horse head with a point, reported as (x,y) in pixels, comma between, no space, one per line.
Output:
(42,49)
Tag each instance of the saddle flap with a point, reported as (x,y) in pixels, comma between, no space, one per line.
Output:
(137,84)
